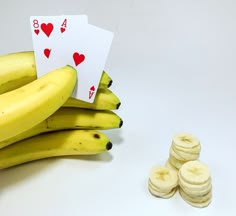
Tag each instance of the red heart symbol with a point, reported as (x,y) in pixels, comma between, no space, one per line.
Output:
(62,30)
(47,52)
(36,31)
(78,58)
(47,28)
(92,88)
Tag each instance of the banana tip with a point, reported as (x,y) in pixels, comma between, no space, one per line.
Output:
(109,146)
(121,123)
(118,105)
(110,83)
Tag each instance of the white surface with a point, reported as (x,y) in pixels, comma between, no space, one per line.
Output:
(173,67)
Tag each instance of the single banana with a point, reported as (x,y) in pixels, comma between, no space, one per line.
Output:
(18,69)
(79,118)
(105,100)
(27,106)
(70,118)
(69,142)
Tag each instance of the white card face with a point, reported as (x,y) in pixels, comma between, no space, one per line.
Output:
(70,40)
(47,33)
(87,51)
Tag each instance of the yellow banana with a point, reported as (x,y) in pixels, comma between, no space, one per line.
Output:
(18,69)
(27,106)
(70,118)
(105,81)
(70,142)
(105,100)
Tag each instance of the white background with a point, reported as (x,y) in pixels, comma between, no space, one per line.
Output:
(173,67)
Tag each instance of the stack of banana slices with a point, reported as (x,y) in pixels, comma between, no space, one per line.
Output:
(40,119)
(185,147)
(195,183)
(162,182)
(184,171)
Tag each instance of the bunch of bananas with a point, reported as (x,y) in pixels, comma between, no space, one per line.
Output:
(40,119)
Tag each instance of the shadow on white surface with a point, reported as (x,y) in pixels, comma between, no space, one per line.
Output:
(13,176)
(103,157)
(115,136)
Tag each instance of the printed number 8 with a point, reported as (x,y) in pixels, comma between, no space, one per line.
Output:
(35,23)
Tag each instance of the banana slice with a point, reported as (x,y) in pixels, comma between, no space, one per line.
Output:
(169,165)
(197,199)
(201,202)
(185,140)
(196,193)
(184,156)
(159,190)
(194,150)
(175,154)
(193,188)
(153,190)
(195,172)
(175,162)
(163,178)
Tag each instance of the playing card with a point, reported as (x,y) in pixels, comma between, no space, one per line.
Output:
(48,33)
(87,50)
(61,42)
